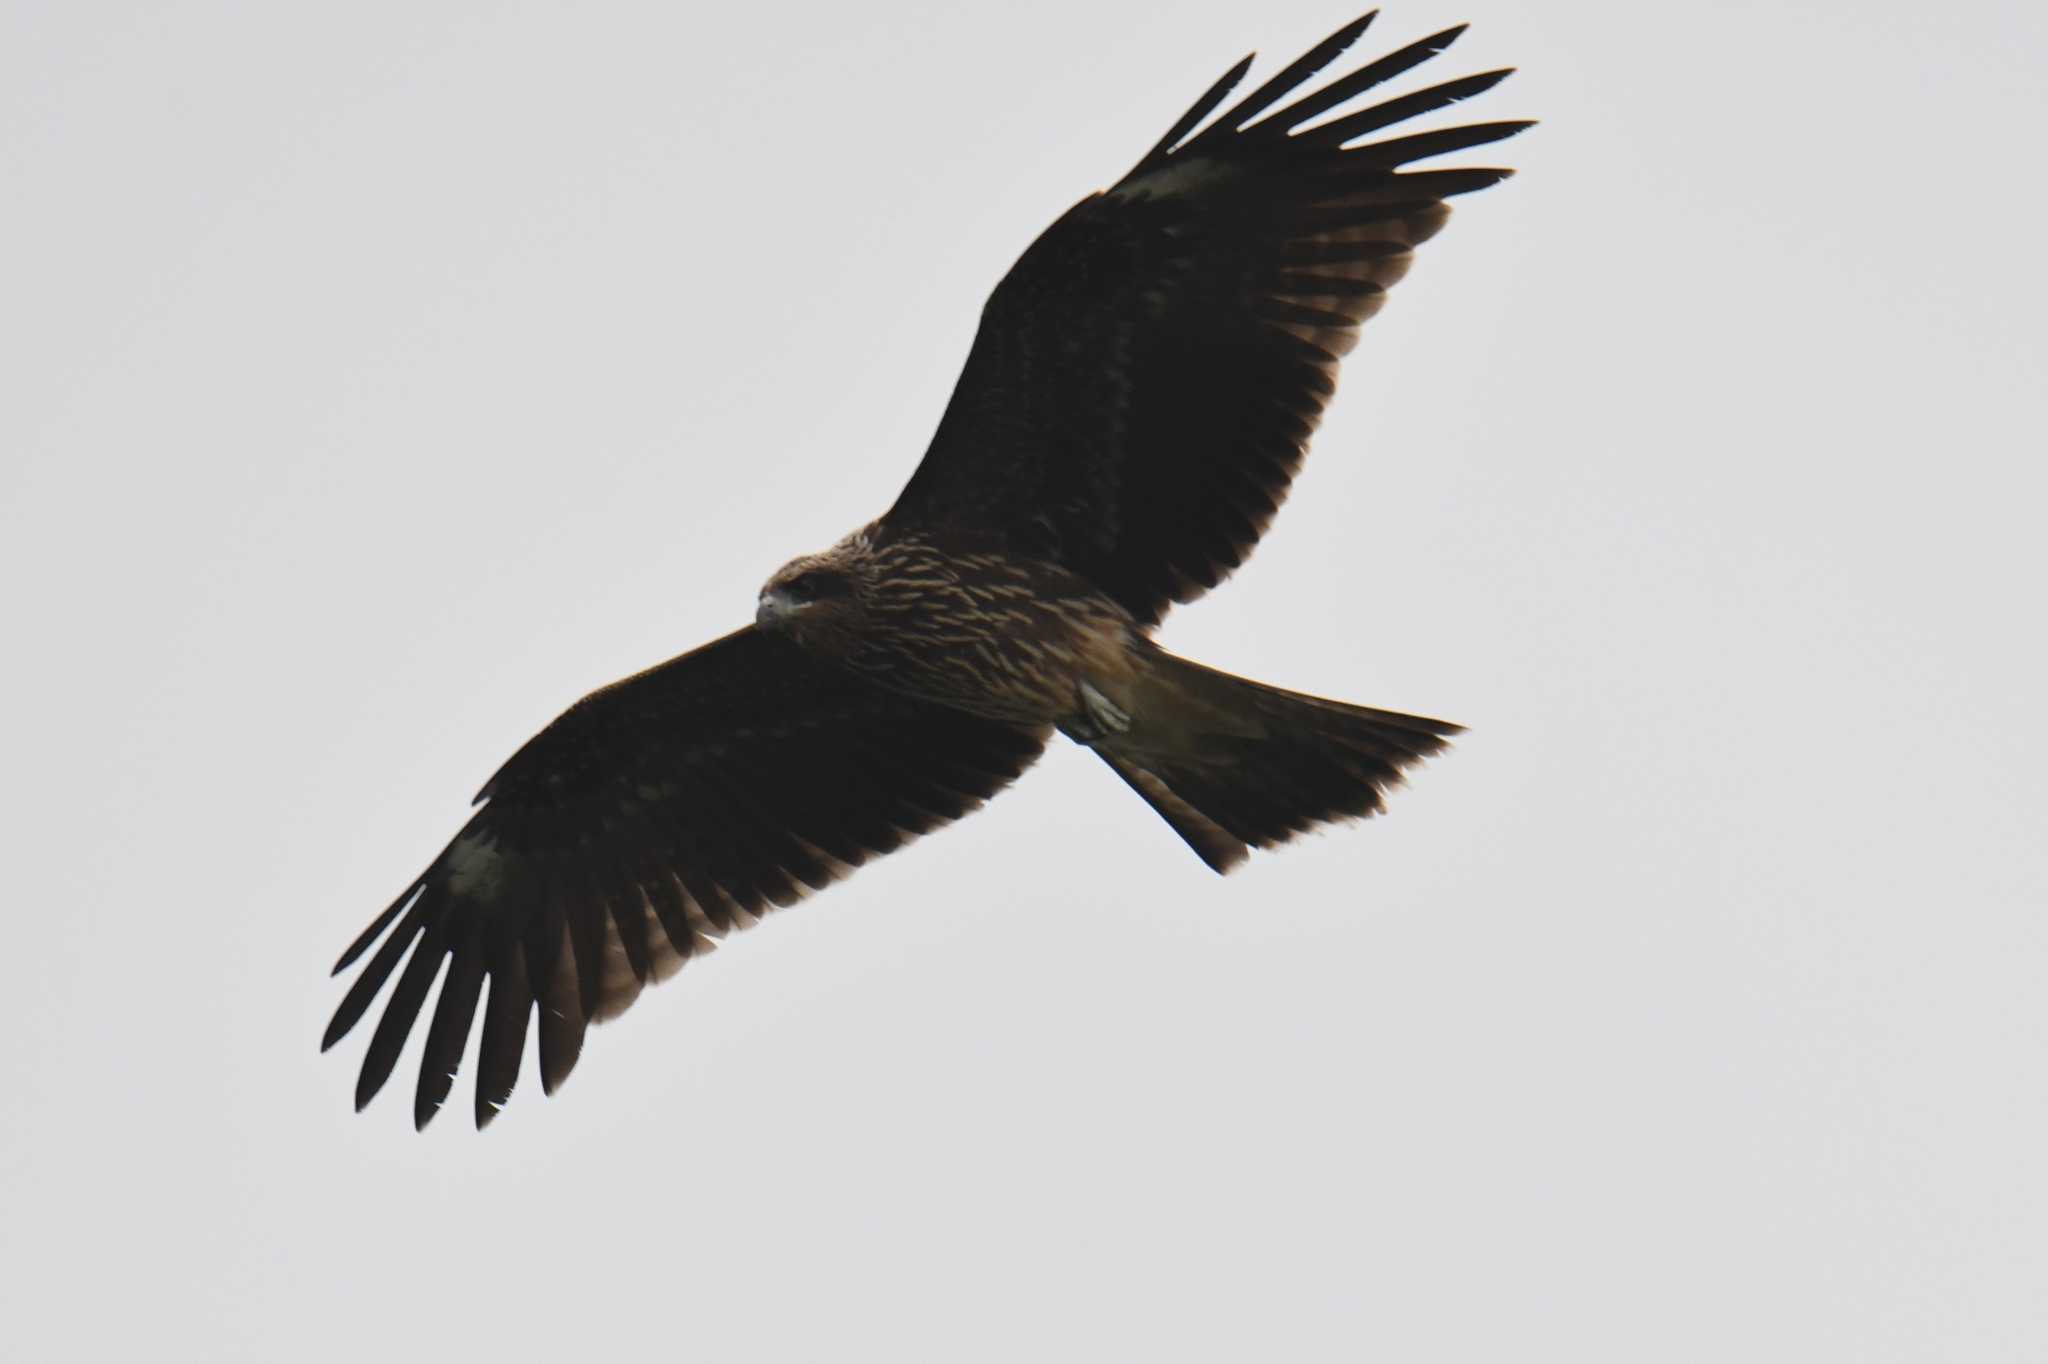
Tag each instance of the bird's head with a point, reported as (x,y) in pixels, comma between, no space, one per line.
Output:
(815,599)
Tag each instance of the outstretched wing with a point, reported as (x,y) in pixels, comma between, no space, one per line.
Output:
(653,816)
(1146,378)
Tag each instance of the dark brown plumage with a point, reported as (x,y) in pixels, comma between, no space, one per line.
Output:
(1135,406)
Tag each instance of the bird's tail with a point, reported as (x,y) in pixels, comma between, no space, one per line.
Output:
(1232,764)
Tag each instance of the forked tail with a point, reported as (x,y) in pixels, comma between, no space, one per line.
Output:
(1233,764)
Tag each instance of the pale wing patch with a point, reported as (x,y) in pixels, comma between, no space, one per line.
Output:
(476,869)
(1183,175)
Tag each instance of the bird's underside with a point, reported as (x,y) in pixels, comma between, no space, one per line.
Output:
(1135,406)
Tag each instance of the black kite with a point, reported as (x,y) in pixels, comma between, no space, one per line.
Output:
(1136,403)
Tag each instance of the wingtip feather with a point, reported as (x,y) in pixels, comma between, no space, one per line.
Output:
(369,936)
(1196,112)
(1373,74)
(1295,74)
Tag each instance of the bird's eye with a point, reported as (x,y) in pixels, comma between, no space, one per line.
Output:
(812,586)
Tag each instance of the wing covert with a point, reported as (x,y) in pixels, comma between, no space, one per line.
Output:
(652,817)
(1145,380)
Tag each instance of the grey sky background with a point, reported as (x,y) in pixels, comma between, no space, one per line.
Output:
(380,378)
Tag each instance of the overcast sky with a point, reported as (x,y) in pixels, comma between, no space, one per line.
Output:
(382,377)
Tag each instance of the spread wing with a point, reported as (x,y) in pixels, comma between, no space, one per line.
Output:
(1146,378)
(653,816)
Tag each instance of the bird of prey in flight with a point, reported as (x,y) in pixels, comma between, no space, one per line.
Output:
(1137,400)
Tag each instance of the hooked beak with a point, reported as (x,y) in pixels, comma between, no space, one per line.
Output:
(773,610)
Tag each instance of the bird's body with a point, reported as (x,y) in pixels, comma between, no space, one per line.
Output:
(1137,401)
(962,622)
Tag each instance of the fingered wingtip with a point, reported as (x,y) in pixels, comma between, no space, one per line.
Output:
(369,1081)
(1349,34)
